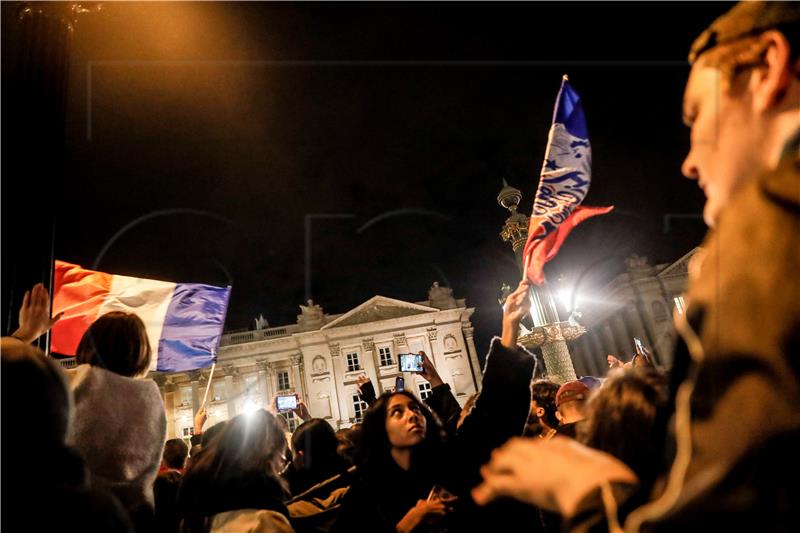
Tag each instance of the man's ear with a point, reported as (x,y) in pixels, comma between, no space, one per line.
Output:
(540,412)
(770,84)
(558,415)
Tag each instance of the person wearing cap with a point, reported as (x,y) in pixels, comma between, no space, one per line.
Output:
(570,400)
(736,375)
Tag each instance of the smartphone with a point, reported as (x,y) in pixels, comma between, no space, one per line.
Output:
(399,383)
(286,403)
(410,362)
(439,493)
(639,346)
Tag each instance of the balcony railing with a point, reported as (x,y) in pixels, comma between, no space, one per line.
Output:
(257,335)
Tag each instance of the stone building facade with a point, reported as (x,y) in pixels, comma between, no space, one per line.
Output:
(321,356)
(639,303)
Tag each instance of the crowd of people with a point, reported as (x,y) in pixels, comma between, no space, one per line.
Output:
(711,443)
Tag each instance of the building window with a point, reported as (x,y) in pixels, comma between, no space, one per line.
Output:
(385,355)
(291,420)
(188,431)
(679,305)
(283,381)
(186,396)
(424,390)
(219,391)
(359,407)
(352,362)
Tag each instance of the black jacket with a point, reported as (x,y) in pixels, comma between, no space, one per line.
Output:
(377,502)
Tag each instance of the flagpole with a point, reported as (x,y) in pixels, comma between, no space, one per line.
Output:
(208,386)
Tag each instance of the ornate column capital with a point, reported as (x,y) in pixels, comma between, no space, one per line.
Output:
(560,332)
(230,370)
(400,339)
(368,344)
(265,366)
(335,349)
(432,333)
(296,359)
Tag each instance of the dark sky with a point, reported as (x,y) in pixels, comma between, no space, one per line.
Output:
(215,129)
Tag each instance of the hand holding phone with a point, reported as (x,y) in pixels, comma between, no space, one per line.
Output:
(286,403)
(410,362)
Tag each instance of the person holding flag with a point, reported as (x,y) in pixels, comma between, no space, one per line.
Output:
(563,184)
(111,323)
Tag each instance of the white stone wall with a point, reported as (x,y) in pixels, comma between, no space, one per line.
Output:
(317,366)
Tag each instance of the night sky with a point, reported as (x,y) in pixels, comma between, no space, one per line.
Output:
(212,130)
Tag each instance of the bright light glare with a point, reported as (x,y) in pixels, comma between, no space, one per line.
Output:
(565,297)
(250,407)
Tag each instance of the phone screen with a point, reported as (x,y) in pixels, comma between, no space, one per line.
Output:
(639,345)
(287,403)
(410,362)
(399,383)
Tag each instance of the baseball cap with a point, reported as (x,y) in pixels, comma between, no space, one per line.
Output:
(743,20)
(571,390)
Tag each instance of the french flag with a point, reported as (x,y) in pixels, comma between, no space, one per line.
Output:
(183,320)
(563,184)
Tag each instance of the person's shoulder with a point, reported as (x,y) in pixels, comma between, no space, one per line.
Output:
(262,520)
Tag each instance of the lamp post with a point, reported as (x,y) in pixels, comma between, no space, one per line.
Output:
(549,333)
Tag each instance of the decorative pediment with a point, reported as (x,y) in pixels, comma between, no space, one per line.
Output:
(679,267)
(377,309)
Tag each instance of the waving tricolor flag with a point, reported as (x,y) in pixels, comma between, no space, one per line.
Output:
(184,320)
(564,183)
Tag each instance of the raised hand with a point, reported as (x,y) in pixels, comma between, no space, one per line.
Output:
(424,511)
(554,474)
(301,410)
(34,314)
(199,420)
(517,305)
(429,371)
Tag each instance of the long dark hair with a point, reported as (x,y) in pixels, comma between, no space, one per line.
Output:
(373,455)
(251,442)
(318,442)
(238,470)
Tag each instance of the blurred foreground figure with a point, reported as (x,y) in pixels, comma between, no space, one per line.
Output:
(736,388)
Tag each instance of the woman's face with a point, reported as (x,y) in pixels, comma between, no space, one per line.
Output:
(405,424)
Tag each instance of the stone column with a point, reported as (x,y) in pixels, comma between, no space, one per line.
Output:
(609,341)
(368,348)
(195,376)
(231,394)
(623,336)
(264,389)
(338,385)
(298,369)
(598,350)
(474,363)
(169,406)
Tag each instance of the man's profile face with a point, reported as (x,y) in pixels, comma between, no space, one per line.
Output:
(724,140)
